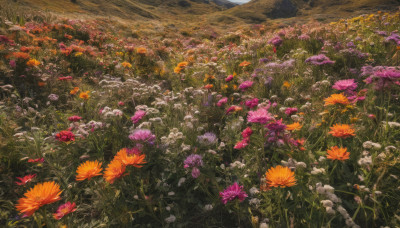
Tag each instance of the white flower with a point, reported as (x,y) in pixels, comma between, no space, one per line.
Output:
(170,219)
(254,191)
(208,207)
(181,181)
(316,171)
(327,203)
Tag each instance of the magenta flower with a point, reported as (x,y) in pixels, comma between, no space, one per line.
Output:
(345,85)
(290,111)
(252,103)
(232,192)
(276,41)
(245,85)
(247,132)
(229,78)
(242,144)
(142,135)
(222,101)
(138,116)
(261,116)
(74,118)
(64,209)
(24,180)
(276,126)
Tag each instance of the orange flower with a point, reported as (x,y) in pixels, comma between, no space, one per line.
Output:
(286,84)
(296,126)
(342,131)
(136,160)
(245,64)
(126,65)
(40,195)
(33,63)
(41,84)
(336,153)
(84,95)
(88,170)
(74,91)
(209,86)
(114,170)
(180,67)
(280,177)
(21,55)
(337,99)
(141,50)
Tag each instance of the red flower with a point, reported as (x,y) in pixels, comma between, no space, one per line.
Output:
(65,136)
(37,160)
(74,118)
(64,209)
(24,180)
(67,78)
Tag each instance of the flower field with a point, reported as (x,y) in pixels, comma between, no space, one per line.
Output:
(297,126)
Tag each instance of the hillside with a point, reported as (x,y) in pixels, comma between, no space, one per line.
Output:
(257,11)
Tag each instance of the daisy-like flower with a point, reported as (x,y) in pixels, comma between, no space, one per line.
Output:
(337,99)
(232,192)
(222,101)
(296,126)
(64,209)
(74,91)
(126,65)
(280,176)
(38,196)
(345,85)
(133,159)
(33,63)
(24,180)
(84,95)
(342,131)
(245,64)
(114,170)
(88,170)
(338,153)
(142,135)
(261,116)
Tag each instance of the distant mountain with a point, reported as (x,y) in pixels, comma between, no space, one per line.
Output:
(257,11)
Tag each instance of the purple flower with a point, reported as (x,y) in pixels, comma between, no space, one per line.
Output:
(319,60)
(393,37)
(261,116)
(276,126)
(195,172)
(193,160)
(232,192)
(207,139)
(252,103)
(245,85)
(138,116)
(142,135)
(347,84)
(290,111)
(276,41)
(304,37)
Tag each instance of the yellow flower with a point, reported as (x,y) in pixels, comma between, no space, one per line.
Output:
(78,54)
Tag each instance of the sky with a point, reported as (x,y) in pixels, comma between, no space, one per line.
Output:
(240,1)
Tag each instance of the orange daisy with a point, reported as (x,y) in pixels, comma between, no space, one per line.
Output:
(136,160)
(296,126)
(126,65)
(338,153)
(280,177)
(342,131)
(88,170)
(141,50)
(33,63)
(40,195)
(74,91)
(84,95)
(245,64)
(114,170)
(337,99)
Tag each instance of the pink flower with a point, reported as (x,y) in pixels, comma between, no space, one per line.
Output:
(195,172)
(121,103)
(74,118)
(13,64)
(252,103)
(64,209)
(290,111)
(261,116)
(222,101)
(142,135)
(347,84)
(65,136)
(233,108)
(247,132)
(37,160)
(245,85)
(67,78)
(232,192)
(242,144)
(24,180)
(138,116)
(229,78)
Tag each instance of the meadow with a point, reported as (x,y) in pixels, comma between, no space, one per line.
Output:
(104,126)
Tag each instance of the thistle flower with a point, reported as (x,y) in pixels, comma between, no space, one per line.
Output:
(88,170)
(38,196)
(64,209)
(280,177)
(261,116)
(336,153)
(232,192)
(319,60)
